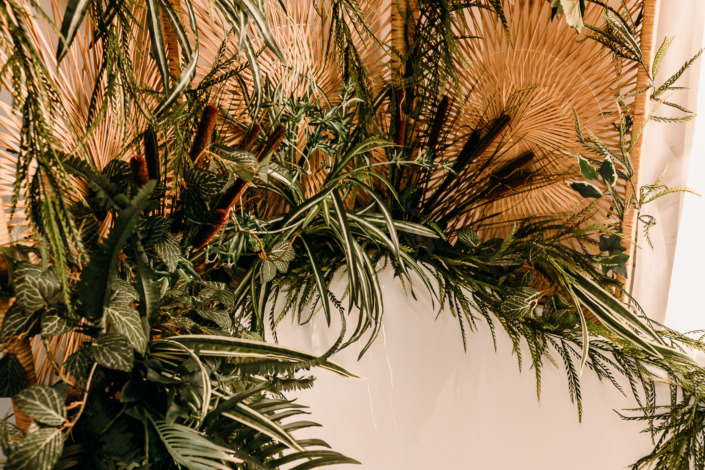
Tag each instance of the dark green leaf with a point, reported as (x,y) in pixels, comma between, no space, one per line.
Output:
(13,378)
(10,436)
(586,190)
(521,302)
(587,170)
(126,321)
(42,403)
(468,237)
(169,250)
(611,243)
(53,324)
(36,287)
(38,450)
(220,317)
(78,365)
(16,321)
(608,172)
(195,208)
(73,17)
(94,288)
(205,184)
(113,351)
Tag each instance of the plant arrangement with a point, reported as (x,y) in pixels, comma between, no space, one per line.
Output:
(182,201)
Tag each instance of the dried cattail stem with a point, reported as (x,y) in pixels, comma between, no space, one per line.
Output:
(233,195)
(22,349)
(138,167)
(273,142)
(509,168)
(206,233)
(250,137)
(204,132)
(151,154)
(518,179)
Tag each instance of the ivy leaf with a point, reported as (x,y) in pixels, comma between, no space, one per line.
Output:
(53,324)
(36,287)
(16,322)
(611,243)
(112,350)
(195,208)
(13,378)
(586,190)
(608,172)
(78,365)
(94,289)
(587,169)
(169,250)
(468,237)
(203,183)
(126,321)
(521,302)
(38,450)
(42,403)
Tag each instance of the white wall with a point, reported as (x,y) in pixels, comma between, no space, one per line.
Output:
(426,404)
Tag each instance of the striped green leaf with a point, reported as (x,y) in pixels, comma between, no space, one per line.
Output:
(73,17)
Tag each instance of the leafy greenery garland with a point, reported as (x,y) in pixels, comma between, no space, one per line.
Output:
(169,310)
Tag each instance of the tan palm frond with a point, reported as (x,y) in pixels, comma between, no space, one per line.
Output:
(535,83)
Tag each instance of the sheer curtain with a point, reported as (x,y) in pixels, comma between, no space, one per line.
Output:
(665,276)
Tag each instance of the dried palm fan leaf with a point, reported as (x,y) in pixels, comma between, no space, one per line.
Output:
(312,72)
(518,99)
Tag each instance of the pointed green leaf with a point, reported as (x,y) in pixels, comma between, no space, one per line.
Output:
(587,169)
(73,17)
(13,378)
(53,324)
(169,250)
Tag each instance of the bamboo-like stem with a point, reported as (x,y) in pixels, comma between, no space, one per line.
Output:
(648,49)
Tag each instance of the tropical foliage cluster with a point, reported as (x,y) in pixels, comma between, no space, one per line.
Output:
(184,200)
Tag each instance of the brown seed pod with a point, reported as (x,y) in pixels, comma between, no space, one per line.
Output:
(204,132)
(138,167)
(151,154)
(273,143)
(207,232)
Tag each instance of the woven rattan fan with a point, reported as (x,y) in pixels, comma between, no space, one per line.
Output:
(533,85)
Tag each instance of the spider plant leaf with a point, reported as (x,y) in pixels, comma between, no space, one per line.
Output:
(320,280)
(73,17)
(156,35)
(178,28)
(200,382)
(182,84)
(94,287)
(402,226)
(261,423)
(191,449)
(226,346)
(258,17)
